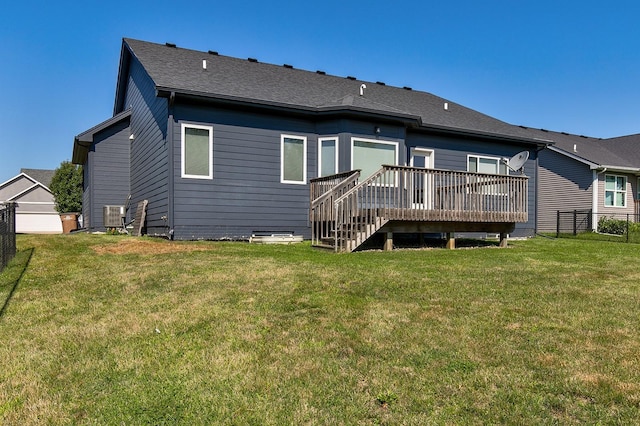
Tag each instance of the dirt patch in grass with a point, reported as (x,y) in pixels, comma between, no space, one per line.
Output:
(139,246)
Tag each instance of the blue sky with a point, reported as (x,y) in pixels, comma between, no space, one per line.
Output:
(569,66)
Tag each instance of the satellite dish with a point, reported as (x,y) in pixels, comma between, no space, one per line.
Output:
(516,163)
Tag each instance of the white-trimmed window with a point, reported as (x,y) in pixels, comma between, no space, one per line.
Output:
(486,165)
(293,159)
(615,191)
(197,151)
(490,165)
(327,156)
(369,155)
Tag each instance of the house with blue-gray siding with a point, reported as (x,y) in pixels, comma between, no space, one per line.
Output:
(224,148)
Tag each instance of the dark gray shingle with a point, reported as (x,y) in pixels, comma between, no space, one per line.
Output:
(181,70)
(42,176)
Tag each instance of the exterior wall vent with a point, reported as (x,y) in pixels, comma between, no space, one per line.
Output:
(112,216)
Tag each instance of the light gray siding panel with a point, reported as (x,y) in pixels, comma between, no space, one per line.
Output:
(15,187)
(564,184)
(619,212)
(149,155)
(37,194)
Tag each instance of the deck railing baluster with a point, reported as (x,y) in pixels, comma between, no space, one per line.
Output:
(349,212)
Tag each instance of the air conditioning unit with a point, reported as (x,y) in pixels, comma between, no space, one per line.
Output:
(112,216)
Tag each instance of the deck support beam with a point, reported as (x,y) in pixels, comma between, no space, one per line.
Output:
(388,241)
(451,241)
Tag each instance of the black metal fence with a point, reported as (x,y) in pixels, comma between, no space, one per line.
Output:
(623,227)
(7,233)
(573,222)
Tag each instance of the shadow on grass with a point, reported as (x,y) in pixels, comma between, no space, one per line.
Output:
(17,267)
(415,241)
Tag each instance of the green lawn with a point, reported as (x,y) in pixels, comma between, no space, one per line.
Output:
(116,330)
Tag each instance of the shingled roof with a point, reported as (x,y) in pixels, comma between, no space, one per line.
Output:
(225,78)
(42,176)
(622,153)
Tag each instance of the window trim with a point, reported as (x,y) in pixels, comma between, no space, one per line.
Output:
(423,151)
(487,157)
(375,141)
(615,191)
(320,140)
(183,174)
(304,159)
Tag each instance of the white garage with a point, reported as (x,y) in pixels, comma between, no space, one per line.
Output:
(35,212)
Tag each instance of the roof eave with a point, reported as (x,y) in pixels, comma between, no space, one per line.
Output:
(281,106)
(487,135)
(82,142)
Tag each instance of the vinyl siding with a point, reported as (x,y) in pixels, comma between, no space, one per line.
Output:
(87,189)
(245,194)
(108,160)
(564,184)
(16,186)
(149,154)
(619,212)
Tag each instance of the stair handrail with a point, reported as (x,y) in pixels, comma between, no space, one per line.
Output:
(321,208)
(348,230)
(349,177)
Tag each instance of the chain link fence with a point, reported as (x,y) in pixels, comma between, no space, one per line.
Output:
(7,233)
(622,227)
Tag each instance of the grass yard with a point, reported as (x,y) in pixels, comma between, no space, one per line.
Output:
(116,330)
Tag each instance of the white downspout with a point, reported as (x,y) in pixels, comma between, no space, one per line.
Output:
(594,200)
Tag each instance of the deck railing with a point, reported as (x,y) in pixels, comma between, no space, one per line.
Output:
(324,192)
(416,194)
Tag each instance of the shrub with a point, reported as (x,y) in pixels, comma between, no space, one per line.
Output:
(66,186)
(609,225)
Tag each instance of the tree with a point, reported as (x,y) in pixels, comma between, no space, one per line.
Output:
(66,186)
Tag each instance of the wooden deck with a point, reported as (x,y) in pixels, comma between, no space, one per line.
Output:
(345,213)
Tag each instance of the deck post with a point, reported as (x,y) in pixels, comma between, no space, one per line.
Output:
(451,241)
(388,241)
(503,239)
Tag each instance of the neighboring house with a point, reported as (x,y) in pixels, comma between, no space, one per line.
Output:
(223,148)
(35,207)
(587,174)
